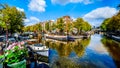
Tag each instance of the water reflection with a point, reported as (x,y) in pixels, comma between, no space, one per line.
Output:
(79,46)
(60,52)
(113,48)
(64,49)
(64,63)
(96,44)
(95,52)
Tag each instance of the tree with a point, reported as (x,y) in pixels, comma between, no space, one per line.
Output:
(47,26)
(53,26)
(69,26)
(39,26)
(78,24)
(12,18)
(60,24)
(86,26)
(105,23)
(81,25)
(35,27)
(112,24)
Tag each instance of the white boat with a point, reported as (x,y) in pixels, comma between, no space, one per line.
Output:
(39,47)
(44,53)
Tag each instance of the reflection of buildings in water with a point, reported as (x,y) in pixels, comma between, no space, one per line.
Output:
(113,48)
(65,48)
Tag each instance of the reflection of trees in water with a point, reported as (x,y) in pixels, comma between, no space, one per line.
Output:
(50,45)
(113,48)
(79,46)
(64,63)
(64,49)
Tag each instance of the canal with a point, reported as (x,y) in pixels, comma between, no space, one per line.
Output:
(95,52)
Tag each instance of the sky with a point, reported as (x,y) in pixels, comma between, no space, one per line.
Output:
(93,11)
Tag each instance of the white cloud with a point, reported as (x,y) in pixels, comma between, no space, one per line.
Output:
(32,20)
(37,5)
(20,9)
(73,18)
(100,14)
(104,12)
(63,2)
(26,20)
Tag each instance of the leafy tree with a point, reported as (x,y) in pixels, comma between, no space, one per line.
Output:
(35,27)
(13,18)
(69,26)
(3,25)
(39,27)
(47,26)
(105,23)
(112,24)
(81,25)
(78,24)
(60,24)
(53,26)
(86,26)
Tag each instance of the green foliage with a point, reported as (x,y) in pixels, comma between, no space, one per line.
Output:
(3,25)
(39,26)
(69,26)
(15,55)
(105,23)
(64,49)
(78,23)
(111,24)
(21,64)
(81,25)
(60,24)
(12,18)
(53,26)
(86,26)
(47,26)
(36,27)
(114,23)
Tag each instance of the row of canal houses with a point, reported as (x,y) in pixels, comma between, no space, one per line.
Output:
(66,19)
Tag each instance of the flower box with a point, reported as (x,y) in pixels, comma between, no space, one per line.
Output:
(21,64)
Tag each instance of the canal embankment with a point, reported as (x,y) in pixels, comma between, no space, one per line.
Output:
(116,38)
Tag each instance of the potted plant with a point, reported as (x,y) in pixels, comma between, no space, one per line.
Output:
(15,56)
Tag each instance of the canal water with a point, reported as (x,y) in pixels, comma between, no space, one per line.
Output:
(95,52)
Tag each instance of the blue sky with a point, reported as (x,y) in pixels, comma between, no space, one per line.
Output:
(93,11)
